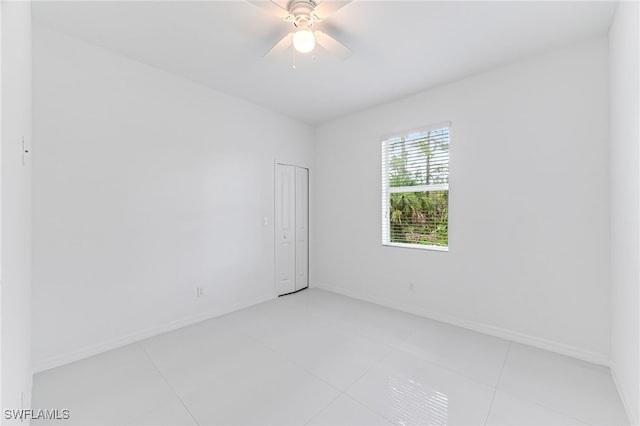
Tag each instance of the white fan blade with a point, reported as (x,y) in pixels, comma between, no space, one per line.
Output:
(332,45)
(284,43)
(327,7)
(272,7)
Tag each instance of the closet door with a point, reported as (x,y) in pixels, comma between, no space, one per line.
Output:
(285,228)
(291,228)
(302,228)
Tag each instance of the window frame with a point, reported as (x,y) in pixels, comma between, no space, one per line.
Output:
(386,191)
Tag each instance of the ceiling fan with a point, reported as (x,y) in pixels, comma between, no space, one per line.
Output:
(302,14)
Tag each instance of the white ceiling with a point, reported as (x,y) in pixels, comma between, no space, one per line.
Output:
(400,47)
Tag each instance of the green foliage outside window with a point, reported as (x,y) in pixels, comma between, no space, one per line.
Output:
(419,217)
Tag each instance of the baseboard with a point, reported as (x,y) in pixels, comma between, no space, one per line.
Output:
(627,408)
(538,342)
(87,351)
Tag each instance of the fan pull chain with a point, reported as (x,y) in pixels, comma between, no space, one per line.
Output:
(294,58)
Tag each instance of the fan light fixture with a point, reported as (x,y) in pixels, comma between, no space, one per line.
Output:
(304,41)
(302,15)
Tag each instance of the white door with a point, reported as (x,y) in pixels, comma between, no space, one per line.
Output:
(291,228)
(285,217)
(302,228)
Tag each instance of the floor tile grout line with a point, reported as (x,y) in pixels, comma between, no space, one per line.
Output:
(504,362)
(433,364)
(359,334)
(446,368)
(347,333)
(357,401)
(311,373)
(340,391)
(537,404)
(302,367)
(168,383)
(267,347)
(393,347)
(384,358)
(285,357)
(323,409)
(414,330)
(371,368)
(293,361)
(555,411)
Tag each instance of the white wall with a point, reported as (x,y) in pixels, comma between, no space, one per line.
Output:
(146,186)
(625,204)
(529,214)
(15,244)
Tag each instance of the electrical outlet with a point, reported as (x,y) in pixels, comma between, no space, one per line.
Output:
(199,291)
(25,152)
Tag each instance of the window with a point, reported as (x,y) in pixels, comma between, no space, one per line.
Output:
(415,189)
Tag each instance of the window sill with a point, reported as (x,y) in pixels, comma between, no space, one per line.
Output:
(417,247)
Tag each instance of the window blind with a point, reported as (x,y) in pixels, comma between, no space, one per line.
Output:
(415,188)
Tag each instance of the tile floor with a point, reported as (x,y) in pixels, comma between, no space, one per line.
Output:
(317,358)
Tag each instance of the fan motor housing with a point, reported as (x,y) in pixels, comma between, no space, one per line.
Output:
(301,9)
